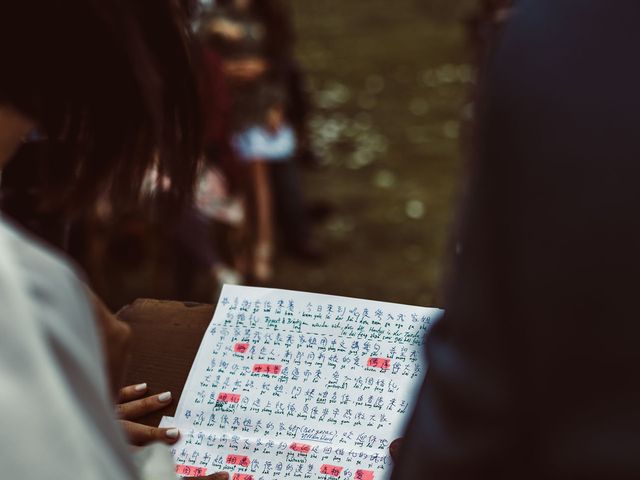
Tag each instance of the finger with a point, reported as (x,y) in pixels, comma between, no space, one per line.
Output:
(141,435)
(132,392)
(215,476)
(140,408)
(394,449)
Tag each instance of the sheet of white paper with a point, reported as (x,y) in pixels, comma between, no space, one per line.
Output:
(298,385)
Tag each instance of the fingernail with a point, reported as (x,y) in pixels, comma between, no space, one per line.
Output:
(173,433)
(140,387)
(164,397)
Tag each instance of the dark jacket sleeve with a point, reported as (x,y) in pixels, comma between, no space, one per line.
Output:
(532,371)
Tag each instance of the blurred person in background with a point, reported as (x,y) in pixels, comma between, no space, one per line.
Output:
(112,86)
(255,41)
(533,368)
(208,234)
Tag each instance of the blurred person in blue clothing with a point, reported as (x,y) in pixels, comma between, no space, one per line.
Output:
(255,41)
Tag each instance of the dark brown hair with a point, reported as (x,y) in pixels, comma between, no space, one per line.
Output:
(111,81)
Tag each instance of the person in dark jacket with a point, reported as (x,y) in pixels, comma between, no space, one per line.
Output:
(533,371)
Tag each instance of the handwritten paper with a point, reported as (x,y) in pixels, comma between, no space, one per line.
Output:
(298,385)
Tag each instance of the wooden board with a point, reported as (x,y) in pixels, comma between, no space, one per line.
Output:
(166,337)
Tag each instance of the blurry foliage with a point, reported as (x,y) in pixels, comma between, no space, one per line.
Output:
(390,80)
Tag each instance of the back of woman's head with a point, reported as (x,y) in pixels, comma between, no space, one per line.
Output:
(109,79)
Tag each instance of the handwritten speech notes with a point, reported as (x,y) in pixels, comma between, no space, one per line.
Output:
(302,386)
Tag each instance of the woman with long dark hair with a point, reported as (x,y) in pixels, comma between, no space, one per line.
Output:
(110,81)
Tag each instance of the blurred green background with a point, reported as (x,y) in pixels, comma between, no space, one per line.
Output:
(391,82)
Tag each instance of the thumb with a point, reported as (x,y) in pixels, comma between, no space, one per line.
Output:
(215,476)
(394,449)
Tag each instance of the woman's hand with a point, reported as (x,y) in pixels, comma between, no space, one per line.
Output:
(132,406)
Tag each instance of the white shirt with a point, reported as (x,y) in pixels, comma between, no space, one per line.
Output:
(57,420)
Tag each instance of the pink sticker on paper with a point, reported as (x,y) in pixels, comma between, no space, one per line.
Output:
(363,475)
(188,471)
(383,363)
(242,476)
(241,347)
(241,460)
(229,397)
(267,368)
(332,470)
(300,447)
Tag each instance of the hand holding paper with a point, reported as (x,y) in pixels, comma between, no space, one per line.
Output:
(298,385)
